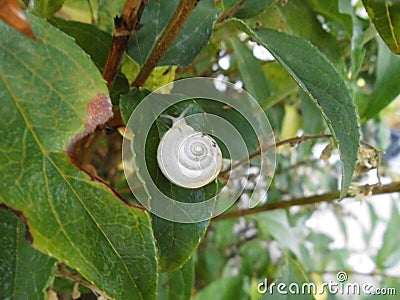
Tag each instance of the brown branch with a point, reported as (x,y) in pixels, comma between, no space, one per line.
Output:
(182,13)
(291,141)
(61,271)
(328,197)
(124,26)
(229,13)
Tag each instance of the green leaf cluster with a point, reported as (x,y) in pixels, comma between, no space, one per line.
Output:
(66,212)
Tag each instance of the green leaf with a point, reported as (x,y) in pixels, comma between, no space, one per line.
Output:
(386,18)
(96,43)
(159,77)
(276,224)
(82,11)
(326,88)
(252,8)
(90,38)
(190,40)
(291,271)
(209,263)
(255,258)
(176,242)
(225,288)
(387,84)
(177,285)
(250,71)
(45,88)
(24,271)
(291,123)
(46,8)
(389,254)
(330,9)
(227,4)
(298,18)
(313,122)
(280,83)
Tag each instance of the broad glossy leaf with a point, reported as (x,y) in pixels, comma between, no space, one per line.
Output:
(177,285)
(176,242)
(250,71)
(326,88)
(24,271)
(386,18)
(387,84)
(45,88)
(189,42)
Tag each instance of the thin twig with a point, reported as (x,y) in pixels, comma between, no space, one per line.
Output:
(229,13)
(61,271)
(92,18)
(124,26)
(293,167)
(182,13)
(327,197)
(292,141)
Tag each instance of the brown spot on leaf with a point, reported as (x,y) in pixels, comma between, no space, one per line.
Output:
(94,151)
(99,110)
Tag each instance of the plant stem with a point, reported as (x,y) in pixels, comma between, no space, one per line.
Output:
(293,141)
(229,13)
(182,13)
(93,20)
(327,197)
(61,271)
(124,26)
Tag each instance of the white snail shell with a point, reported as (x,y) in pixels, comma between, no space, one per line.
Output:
(188,158)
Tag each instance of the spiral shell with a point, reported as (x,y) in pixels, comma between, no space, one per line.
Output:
(188,158)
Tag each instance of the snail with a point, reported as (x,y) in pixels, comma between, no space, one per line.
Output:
(188,158)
